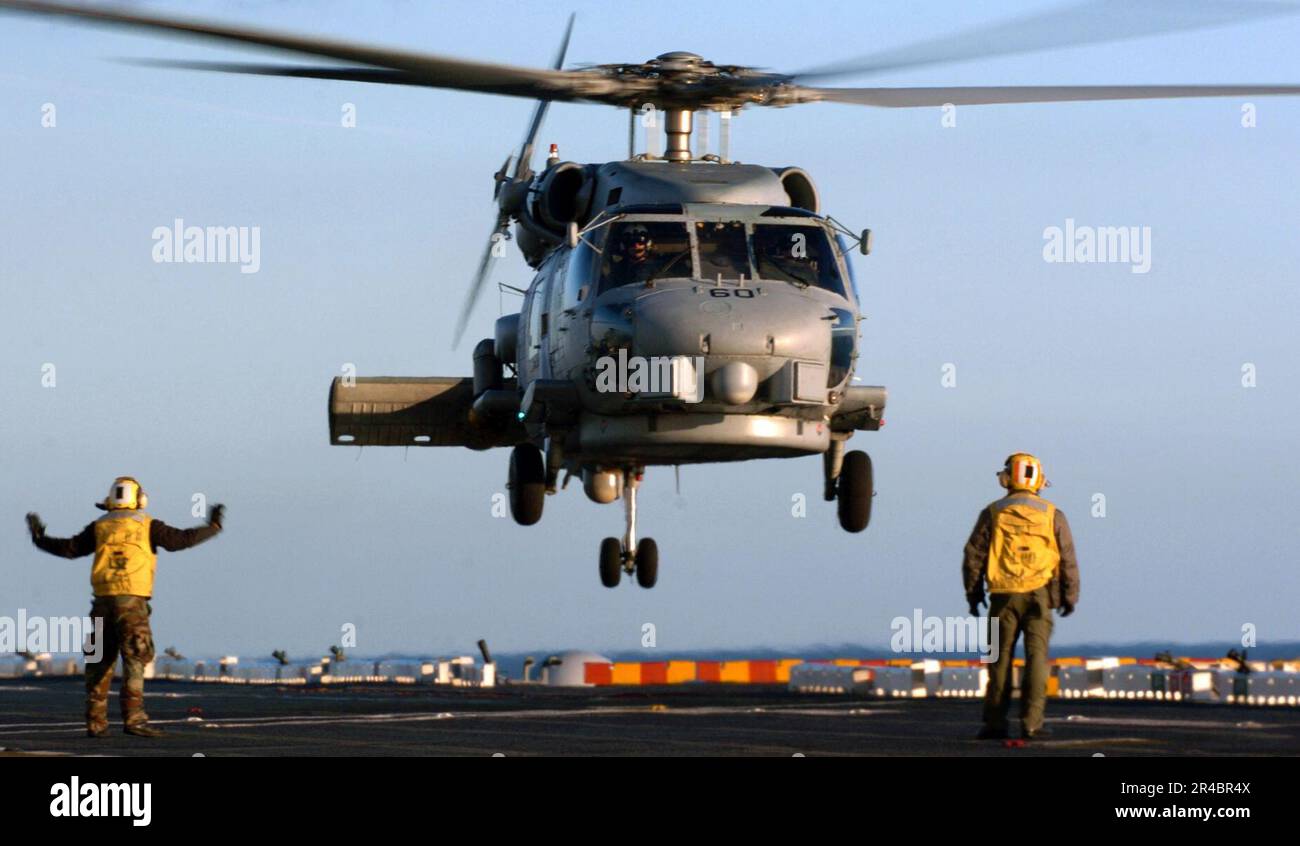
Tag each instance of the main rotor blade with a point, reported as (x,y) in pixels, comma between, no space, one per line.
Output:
(984,95)
(349,74)
(480,280)
(524,167)
(424,69)
(1090,22)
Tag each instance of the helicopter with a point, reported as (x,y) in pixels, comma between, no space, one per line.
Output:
(686,308)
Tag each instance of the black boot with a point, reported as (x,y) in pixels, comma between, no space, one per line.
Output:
(144,730)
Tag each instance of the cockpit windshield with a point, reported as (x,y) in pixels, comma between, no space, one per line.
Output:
(723,251)
(638,252)
(802,255)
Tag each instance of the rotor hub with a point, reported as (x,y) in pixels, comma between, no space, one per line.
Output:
(683,80)
(679,60)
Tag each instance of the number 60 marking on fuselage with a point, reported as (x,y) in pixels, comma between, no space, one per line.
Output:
(742,293)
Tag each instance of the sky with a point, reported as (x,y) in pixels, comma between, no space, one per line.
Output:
(202,380)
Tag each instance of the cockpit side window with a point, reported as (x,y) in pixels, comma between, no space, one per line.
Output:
(848,265)
(802,255)
(723,250)
(578,274)
(637,252)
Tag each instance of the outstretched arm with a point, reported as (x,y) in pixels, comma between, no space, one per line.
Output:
(162,536)
(80,544)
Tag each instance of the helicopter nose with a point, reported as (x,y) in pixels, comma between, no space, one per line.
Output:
(770,321)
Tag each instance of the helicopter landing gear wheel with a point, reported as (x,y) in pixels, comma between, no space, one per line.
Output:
(647,563)
(854,491)
(527,484)
(611,562)
(626,555)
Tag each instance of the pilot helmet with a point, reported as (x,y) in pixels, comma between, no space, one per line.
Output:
(636,240)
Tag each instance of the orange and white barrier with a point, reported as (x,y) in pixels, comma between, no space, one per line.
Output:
(771,671)
(1200,680)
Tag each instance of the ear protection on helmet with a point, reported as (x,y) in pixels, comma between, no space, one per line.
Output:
(1022,472)
(125,494)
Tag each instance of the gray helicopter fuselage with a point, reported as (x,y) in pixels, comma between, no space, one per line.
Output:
(752,297)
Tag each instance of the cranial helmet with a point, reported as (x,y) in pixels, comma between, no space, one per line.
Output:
(1022,472)
(125,494)
(637,238)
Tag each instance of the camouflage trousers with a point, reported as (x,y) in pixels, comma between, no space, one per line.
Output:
(125,632)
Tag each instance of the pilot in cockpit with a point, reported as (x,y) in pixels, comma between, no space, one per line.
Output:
(629,262)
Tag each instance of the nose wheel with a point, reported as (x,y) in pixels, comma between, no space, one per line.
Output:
(611,562)
(639,558)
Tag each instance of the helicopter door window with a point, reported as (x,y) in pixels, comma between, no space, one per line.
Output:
(639,252)
(723,250)
(577,275)
(555,285)
(801,255)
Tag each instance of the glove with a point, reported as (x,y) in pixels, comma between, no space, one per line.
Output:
(1067,608)
(216,514)
(35,526)
(976,600)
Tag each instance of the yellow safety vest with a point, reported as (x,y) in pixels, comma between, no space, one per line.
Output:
(124,559)
(1023,553)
